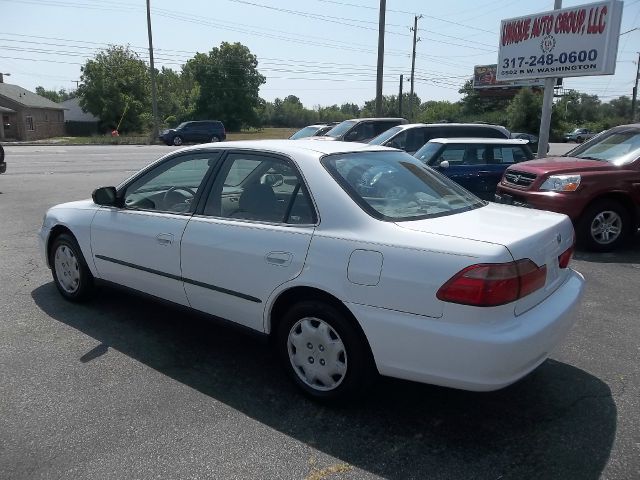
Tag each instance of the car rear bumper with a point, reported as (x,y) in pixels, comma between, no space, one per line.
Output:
(479,357)
(570,204)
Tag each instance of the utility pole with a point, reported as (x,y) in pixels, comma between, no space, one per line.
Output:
(154,97)
(413,62)
(634,98)
(400,96)
(547,106)
(383,7)
(77,82)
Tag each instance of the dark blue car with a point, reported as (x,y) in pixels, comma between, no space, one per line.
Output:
(477,164)
(197,131)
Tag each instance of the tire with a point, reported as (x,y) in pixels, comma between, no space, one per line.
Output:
(177,140)
(326,336)
(215,139)
(71,275)
(603,226)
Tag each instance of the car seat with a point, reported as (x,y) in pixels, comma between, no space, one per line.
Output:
(258,202)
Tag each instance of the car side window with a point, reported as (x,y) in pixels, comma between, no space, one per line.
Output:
(415,139)
(171,186)
(399,141)
(261,188)
(458,155)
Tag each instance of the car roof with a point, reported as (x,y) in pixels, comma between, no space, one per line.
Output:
(290,147)
(430,125)
(491,141)
(376,119)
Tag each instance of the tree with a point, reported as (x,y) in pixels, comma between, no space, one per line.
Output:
(524,111)
(177,94)
(229,85)
(56,96)
(435,112)
(116,85)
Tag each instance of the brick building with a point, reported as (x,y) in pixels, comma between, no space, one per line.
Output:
(28,116)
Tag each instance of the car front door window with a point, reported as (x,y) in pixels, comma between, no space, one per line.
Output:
(172,186)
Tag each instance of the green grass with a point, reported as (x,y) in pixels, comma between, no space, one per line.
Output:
(262,134)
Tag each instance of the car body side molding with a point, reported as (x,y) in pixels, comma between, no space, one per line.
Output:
(179,278)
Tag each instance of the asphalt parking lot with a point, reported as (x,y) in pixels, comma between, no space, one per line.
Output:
(123,387)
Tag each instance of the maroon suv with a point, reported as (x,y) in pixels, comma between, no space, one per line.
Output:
(596,184)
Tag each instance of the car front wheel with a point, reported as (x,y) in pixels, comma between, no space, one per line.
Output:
(603,226)
(71,275)
(324,354)
(177,140)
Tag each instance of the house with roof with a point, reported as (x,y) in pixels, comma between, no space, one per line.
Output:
(28,116)
(76,121)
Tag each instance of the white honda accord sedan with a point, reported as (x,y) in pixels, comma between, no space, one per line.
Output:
(354,259)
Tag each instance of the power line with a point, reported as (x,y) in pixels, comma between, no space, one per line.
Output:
(413,13)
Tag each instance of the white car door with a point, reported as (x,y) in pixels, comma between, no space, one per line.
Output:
(138,244)
(252,236)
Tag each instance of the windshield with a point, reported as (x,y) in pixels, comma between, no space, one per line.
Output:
(394,186)
(427,151)
(384,136)
(619,148)
(341,129)
(305,132)
(181,125)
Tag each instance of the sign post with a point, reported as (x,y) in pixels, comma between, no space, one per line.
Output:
(547,107)
(570,42)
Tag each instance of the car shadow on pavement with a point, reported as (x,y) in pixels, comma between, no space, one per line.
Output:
(559,422)
(628,253)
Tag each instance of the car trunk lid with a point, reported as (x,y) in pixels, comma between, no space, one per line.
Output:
(538,235)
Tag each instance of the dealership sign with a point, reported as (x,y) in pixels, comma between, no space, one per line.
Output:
(484,76)
(570,42)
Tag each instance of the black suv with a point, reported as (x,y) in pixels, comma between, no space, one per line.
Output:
(195,132)
(361,129)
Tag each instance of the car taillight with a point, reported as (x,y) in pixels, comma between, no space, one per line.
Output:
(492,284)
(565,257)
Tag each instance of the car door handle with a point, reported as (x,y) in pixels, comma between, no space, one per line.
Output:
(280,259)
(165,239)
(484,173)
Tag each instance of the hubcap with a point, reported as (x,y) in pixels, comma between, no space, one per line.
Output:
(67,269)
(177,141)
(606,227)
(317,354)
(214,139)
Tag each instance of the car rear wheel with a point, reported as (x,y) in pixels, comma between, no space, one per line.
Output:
(603,226)
(177,140)
(215,139)
(71,275)
(324,354)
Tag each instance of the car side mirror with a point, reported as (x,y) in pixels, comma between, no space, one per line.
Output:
(444,164)
(105,196)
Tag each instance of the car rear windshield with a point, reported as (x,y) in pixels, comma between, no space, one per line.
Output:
(341,128)
(618,147)
(394,186)
(384,136)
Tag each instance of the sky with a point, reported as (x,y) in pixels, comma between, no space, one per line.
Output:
(323,51)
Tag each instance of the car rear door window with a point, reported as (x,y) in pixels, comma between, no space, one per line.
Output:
(261,188)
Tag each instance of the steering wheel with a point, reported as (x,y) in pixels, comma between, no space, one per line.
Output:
(182,206)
